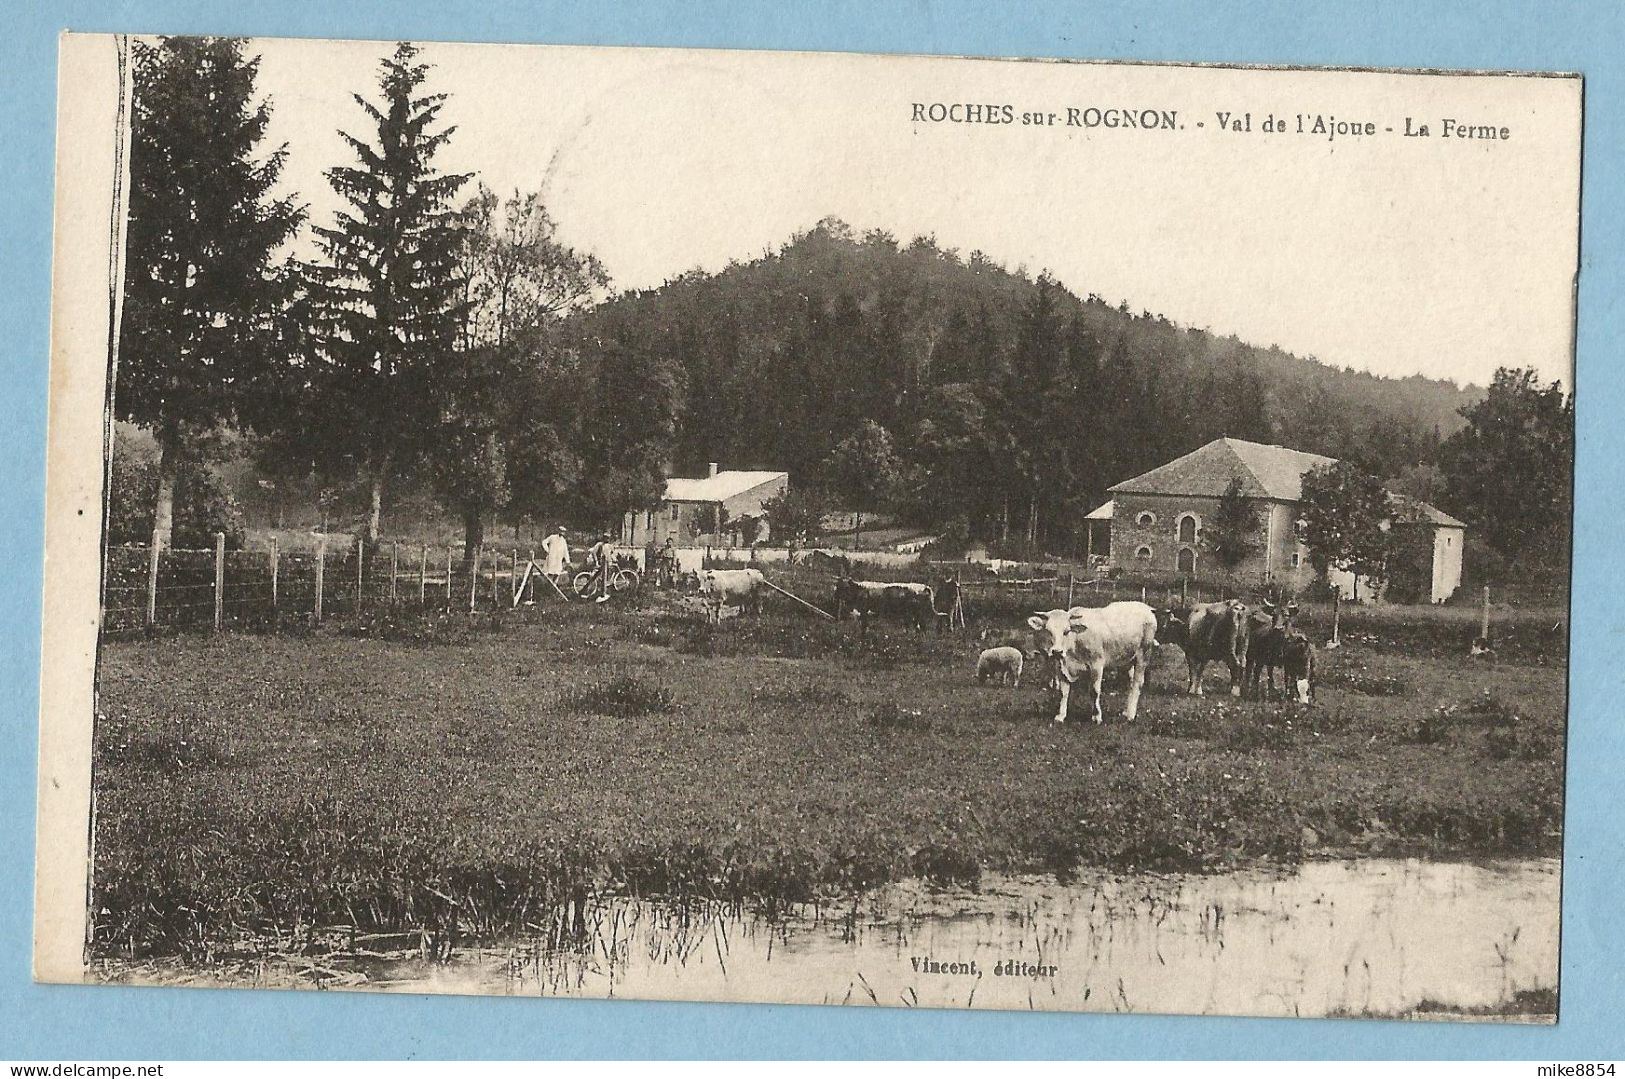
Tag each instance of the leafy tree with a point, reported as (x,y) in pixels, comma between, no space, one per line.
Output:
(629,426)
(1345,514)
(1509,472)
(864,469)
(797,515)
(201,293)
(1232,533)
(516,274)
(389,288)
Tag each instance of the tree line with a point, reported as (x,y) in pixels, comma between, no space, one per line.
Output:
(444,339)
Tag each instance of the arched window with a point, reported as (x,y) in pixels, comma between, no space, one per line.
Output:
(1143,554)
(1145,518)
(1187,528)
(1186,560)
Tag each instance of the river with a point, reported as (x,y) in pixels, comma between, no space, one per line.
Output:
(1360,936)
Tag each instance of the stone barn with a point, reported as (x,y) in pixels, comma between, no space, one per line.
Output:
(1155,520)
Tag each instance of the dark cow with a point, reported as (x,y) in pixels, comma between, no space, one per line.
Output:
(1266,644)
(912,602)
(1209,633)
(1298,661)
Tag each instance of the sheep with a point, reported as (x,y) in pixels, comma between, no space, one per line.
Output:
(1001,664)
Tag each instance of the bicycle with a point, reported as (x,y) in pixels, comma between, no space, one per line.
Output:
(622,578)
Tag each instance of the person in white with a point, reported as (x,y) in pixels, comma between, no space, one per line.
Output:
(556,556)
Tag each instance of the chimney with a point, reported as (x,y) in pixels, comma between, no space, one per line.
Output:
(713,468)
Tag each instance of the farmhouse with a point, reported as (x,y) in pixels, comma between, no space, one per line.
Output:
(1156,519)
(701,510)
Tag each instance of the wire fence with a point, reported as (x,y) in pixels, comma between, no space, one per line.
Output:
(151,587)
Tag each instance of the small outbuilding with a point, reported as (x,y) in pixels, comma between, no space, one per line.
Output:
(701,509)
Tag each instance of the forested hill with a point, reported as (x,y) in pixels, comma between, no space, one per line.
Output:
(1003,397)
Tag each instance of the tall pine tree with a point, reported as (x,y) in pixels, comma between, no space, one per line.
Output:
(389,287)
(201,293)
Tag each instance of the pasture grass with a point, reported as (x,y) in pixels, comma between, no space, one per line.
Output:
(467,782)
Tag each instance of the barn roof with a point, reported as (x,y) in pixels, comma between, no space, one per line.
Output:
(1408,510)
(1101,513)
(1265,471)
(718,488)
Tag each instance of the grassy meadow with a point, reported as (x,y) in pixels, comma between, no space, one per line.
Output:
(452,775)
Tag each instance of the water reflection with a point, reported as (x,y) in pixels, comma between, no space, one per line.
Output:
(1372,936)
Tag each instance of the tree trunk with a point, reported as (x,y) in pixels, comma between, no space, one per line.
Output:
(857,532)
(375,509)
(473,534)
(1004,520)
(163,510)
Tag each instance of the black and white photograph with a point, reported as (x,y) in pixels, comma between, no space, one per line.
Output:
(808,528)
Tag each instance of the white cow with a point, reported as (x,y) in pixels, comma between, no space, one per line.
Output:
(1085,641)
(740,588)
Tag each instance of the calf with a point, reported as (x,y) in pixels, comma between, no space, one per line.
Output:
(1298,663)
(1084,641)
(1002,664)
(1267,637)
(742,588)
(913,602)
(1209,633)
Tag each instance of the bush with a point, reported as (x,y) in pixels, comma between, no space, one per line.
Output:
(203,506)
(623,698)
(890,717)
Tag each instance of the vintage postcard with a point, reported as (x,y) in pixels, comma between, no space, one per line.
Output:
(831,529)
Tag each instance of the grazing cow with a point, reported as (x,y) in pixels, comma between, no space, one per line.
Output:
(1298,662)
(913,602)
(1002,664)
(1213,632)
(742,588)
(1084,641)
(1267,636)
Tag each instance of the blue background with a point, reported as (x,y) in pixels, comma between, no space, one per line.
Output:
(80,1022)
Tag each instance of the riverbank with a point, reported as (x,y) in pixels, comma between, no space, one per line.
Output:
(462,783)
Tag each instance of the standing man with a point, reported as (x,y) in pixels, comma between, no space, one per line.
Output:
(556,557)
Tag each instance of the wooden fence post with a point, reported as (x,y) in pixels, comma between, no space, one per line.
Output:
(152,578)
(1337,613)
(394,556)
(219,577)
(276,562)
(1484,621)
(1071,583)
(496,564)
(474,579)
(448,576)
(423,575)
(321,572)
(360,560)
(513,580)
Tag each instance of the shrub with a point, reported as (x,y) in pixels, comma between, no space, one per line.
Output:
(890,717)
(623,698)
(1435,727)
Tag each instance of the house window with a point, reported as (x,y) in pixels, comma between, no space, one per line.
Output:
(1145,519)
(649,520)
(1187,528)
(1143,554)
(1186,560)
(1297,559)
(674,509)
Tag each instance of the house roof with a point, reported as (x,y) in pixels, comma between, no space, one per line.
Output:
(1408,510)
(718,488)
(1101,513)
(1265,471)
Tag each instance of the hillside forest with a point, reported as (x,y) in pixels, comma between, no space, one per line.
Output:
(438,345)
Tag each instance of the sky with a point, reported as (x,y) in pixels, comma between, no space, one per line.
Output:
(1433,255)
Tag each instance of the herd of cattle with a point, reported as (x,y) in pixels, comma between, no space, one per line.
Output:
(1081,643)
